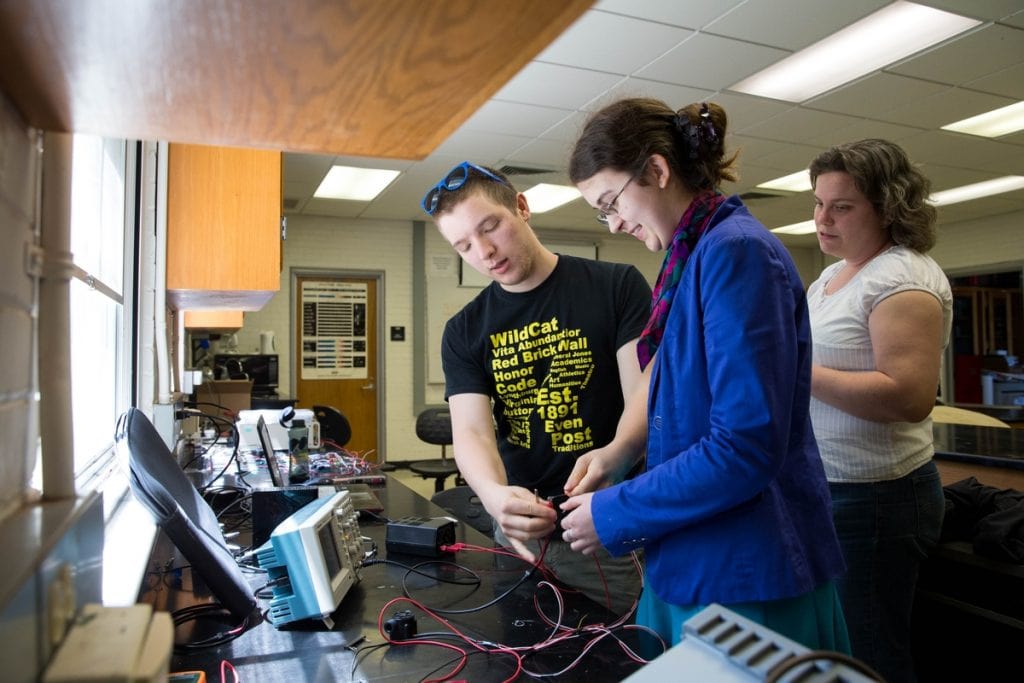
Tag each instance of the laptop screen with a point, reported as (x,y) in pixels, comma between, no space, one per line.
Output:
(268,452)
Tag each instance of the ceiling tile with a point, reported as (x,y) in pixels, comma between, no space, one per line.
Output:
(862,129)
(876,94)
(334,207)
(541,153)
(989,10)
(776,212)
(798,124)
(1008,82)
(691,63)
(945,107)
(758,21)
(753,174)
(689,14)
(553,85)
(752,149)
(791,158)
(1016,19)
(965,151)
(475,144)
(612,43)
(974,210)
(306,168)
(675,96)
(514,118)
(744,110)
(971,56)
(566,130)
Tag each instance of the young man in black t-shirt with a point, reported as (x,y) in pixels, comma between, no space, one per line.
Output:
(537,368)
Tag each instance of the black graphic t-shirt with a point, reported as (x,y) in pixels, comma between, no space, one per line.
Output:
(547,359)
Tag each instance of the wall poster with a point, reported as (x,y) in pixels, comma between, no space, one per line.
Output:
(334,330)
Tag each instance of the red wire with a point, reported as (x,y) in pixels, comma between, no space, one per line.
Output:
(447,624)
(225,667)
(560,632)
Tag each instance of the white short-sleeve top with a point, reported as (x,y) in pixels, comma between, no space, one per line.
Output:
(853,449)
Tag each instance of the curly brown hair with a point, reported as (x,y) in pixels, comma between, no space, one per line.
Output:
(884,174)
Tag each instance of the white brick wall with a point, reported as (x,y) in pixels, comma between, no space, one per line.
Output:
(18,404)
(354,245)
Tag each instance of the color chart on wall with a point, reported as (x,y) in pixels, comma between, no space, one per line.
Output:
(333,330)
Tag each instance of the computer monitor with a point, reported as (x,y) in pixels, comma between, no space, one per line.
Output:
(311,560)
(261,368)
(188,520)
(267,446)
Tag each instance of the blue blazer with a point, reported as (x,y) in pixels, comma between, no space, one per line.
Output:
(733,505)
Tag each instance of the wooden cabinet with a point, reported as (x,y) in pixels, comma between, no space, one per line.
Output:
(214,321)
(986,320)
(223,227)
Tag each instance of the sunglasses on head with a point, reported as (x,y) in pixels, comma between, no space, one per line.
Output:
(452,181)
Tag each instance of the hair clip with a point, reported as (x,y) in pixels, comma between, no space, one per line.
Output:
(706,126)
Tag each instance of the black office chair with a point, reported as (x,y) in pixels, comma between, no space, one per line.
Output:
(434,425)
(334,426)
(465,506)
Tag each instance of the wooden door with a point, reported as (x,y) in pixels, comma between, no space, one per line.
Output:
(335,352)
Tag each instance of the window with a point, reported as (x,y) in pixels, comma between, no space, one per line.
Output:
(100,231)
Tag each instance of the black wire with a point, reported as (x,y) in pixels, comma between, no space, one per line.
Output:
(414,570)
(269,584)
(378,517)
(208,610)
(231,459)
(491,603)
(454,660)
(776,672)
(360,653)
(238,502)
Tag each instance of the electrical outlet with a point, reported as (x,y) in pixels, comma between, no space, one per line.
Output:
(190,426)
(61,603)
(166,422)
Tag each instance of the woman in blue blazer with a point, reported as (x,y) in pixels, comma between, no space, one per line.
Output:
(733,507)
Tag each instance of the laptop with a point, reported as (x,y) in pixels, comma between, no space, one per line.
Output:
(361,495)
(267,446)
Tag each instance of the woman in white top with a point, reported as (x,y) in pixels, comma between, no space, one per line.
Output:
(880,319)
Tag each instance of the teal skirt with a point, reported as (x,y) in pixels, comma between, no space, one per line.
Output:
(814,619)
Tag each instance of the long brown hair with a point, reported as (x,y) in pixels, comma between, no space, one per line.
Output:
(624,134)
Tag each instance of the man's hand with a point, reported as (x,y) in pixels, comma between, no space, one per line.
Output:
(597,469)
(522,517)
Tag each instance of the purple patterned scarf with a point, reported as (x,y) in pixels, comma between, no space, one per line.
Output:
(691,226)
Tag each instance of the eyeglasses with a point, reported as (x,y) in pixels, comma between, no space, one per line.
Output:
(452,181)
(609,209)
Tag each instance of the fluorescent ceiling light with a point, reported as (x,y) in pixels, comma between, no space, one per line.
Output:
(983,189)
(794,182)
(1008,119)
(804,228)
(544,197)
(889,35)
(359,184)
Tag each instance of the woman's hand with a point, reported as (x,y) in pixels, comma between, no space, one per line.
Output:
(578,525)
(600,468)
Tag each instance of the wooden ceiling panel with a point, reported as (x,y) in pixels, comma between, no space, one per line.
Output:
(383,78)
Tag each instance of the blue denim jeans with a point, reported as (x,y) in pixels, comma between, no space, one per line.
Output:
(886,529)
